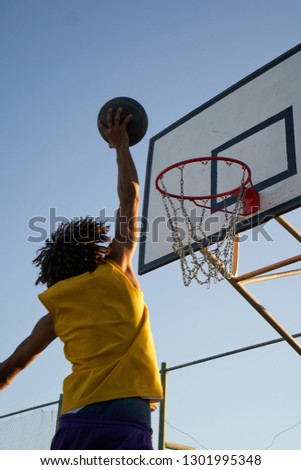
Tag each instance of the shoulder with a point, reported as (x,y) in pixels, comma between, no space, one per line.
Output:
(126,268)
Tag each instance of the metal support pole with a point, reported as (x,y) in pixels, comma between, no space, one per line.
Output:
(59,411)
(236,282)
(292,230)
(269,268)
(266,315)
(161,440)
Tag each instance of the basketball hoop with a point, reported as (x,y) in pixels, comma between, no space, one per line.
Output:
(209,256)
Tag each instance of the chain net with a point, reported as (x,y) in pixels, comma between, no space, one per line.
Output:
(202,258)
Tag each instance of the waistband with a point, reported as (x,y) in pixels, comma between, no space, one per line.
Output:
(71,420)
(133,407)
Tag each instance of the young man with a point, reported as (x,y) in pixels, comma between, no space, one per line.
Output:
(95,306)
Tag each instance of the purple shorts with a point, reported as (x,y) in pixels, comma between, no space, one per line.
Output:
(95,432)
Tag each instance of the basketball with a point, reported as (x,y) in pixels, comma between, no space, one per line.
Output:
(138,124)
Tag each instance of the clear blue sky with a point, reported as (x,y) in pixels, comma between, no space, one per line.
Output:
(60,61)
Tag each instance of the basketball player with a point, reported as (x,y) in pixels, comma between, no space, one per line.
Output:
(95,306)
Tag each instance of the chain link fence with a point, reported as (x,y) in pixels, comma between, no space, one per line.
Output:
(29,429)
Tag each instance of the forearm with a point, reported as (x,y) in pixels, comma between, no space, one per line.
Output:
(128,183)
(41,336)
(20,358)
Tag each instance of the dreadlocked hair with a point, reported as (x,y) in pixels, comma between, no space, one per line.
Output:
(72,249)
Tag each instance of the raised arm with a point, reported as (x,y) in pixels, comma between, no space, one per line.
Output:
(41,336)
(125,240)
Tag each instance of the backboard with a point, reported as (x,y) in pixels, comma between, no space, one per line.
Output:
(258,121)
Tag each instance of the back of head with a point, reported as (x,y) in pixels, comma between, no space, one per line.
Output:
(74,248)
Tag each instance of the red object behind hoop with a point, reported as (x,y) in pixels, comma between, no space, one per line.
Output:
(246,190)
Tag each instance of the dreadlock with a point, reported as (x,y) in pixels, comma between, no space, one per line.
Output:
(72,249)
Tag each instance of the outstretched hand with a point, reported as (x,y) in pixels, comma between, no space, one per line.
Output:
(116,132)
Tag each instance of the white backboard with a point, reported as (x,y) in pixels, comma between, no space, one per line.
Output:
(258,121)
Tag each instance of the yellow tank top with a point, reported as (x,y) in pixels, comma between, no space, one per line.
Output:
(104,324)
